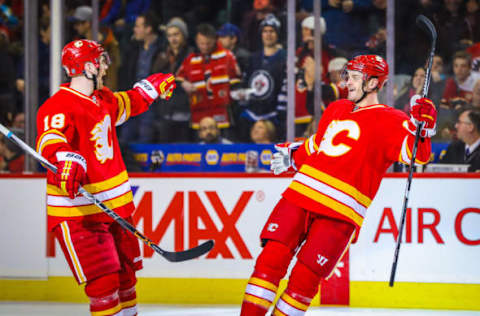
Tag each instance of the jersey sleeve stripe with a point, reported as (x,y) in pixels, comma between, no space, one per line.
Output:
(122,114)
(48,138)
(128,106)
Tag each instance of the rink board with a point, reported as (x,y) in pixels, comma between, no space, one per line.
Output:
(438,265)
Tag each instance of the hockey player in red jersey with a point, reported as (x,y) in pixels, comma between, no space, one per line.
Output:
(338,172)
(76,132)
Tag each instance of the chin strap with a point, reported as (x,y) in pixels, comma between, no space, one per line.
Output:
(93,78)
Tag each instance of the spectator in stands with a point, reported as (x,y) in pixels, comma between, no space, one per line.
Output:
(476,95)
(19,121)
(229,37)
(335,69)
(458,90)
(209,133)
(263,132)
(346,20)
(415,87)
(453,28)
(82,23)
(473,18)
(305,50)
(138,63)
(264,79)
(251,23)
(466,150)
(208,75)
(13,156)
(7,81)
(438,79)
(173,123)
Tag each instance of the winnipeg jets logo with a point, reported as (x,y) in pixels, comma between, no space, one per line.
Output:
(102,136)
(262,84)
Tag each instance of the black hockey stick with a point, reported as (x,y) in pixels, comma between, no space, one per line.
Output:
(172,256)
(426,25)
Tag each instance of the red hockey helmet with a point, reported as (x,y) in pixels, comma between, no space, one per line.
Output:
(75,54)
(370,66)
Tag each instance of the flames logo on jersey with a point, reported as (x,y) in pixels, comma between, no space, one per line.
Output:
(335,127)
(102,136)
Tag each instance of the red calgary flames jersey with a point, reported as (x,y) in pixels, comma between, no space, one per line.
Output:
(212,76)
(340,168)
(72,121)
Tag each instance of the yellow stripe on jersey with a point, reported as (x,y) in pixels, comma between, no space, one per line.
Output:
(111,311)
(276,312)
(290,300)
(327,201)
(263,283)
(71,251)
(128,105)
(337,184)
(107,184)
(89,209)
(78,94)
(257,301)
(48,137)
(121,107)
(93,187)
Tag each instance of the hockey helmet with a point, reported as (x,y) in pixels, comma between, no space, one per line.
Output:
(370,66)
(76,53)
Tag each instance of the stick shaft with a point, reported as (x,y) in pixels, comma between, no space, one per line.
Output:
(171,256)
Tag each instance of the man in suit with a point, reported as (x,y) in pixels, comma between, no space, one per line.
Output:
(466,150)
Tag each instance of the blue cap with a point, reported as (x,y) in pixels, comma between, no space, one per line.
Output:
(228,29)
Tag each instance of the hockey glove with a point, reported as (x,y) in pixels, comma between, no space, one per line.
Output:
(156,85)
(71,172)
(282,159)
(423,111)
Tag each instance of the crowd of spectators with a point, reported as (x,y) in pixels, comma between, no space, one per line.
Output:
(229,59)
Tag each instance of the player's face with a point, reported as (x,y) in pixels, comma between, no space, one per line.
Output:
(354,82)
(102,70)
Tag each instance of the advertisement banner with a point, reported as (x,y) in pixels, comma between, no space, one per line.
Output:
(203,158)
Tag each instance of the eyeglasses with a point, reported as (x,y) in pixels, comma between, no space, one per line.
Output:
(463,122)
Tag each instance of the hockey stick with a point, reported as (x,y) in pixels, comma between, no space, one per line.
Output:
(427,26)
(172,256)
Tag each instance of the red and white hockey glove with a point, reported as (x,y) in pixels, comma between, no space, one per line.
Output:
(71,172)
(423,111)
(282,159)
(156,85)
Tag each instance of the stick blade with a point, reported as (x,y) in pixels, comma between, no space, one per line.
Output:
(187,254)
(424,23)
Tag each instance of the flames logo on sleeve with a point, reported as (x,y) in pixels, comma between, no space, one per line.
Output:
(102,136)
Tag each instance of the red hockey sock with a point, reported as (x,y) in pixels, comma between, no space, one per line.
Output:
(127,293)
(302,287)
(103,295)
(262,287)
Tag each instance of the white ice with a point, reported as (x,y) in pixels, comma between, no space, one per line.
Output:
(54,309)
